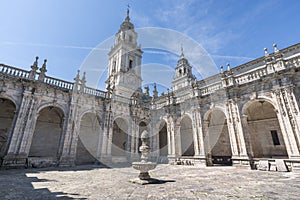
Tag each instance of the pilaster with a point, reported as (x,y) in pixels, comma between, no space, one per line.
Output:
(18,148)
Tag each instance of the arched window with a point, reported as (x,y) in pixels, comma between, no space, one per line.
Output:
(130,64)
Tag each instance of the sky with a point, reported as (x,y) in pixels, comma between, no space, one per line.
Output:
(66,32)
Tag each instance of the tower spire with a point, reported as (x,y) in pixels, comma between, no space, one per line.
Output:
(182,54)
(127,16)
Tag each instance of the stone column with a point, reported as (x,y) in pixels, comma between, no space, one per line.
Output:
(284,117)
(105,158)
(200,156)
(237,127)
(293,112)
(100,143)
(109,141)
(129,141)
(71,132)
(16,155)
(231,132)
(207,146)
(29,128)
(171,140)
(169,133)
(195,133)
(247,138)
(177,142)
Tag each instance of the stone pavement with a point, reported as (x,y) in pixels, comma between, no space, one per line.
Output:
(178,182)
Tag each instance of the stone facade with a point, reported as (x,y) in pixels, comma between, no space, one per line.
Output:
(241,116)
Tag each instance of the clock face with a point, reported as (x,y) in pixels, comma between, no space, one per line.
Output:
(131,81)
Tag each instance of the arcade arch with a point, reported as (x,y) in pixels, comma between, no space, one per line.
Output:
(88,139)
(265,134)
(46,138)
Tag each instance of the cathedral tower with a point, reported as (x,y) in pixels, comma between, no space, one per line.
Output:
(124,70)
(184,76)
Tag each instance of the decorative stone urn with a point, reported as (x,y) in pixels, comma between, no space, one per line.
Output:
(144,166)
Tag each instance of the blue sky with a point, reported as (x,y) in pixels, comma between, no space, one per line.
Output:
(65,31)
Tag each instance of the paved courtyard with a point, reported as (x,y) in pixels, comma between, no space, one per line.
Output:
(177,182)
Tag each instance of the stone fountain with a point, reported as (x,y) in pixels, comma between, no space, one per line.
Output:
(144,166)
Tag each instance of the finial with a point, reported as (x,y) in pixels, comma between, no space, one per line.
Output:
(43,71)
(43,68)
(182,54)
(77,78)
(221,68)
(275,47)
(128,6)
(35,63)
(228,67)
(155,93)
(266,51)
(83,78)
(127,17)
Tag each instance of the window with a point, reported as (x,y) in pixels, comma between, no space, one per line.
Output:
(114,67)
(130,64)
(275,137)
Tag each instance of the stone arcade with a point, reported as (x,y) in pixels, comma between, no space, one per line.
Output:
(241,116)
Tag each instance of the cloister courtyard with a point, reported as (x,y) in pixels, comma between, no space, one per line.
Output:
(176,182)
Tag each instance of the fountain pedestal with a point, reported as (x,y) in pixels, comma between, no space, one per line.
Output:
(144,166)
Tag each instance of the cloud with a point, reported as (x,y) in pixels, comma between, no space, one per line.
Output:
(53,46)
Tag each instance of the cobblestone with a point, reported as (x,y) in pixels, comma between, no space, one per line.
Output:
(177,182)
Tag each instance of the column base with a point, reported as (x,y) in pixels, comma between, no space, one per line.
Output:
(106,160)
(67,161)
(171,159)
(242,161)
(293,164)
(15,161)
(199,160)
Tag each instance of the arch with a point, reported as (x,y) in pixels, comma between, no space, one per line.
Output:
(217,140)
(50,104)
(260,98)
(265,134)
(215,108)
(10,98)
(178,122)
(46,138)
(163,141)
(119,138)
(88,139)
(186,136)
(7,115)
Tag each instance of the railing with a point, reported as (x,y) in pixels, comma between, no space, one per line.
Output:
(94,92)
(293,62)
(250,76)
(239,79)
(19,73)
(210,88)
(58,83)
(12,71)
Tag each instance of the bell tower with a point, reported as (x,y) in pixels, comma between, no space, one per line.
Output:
(184,76)
(125,58)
